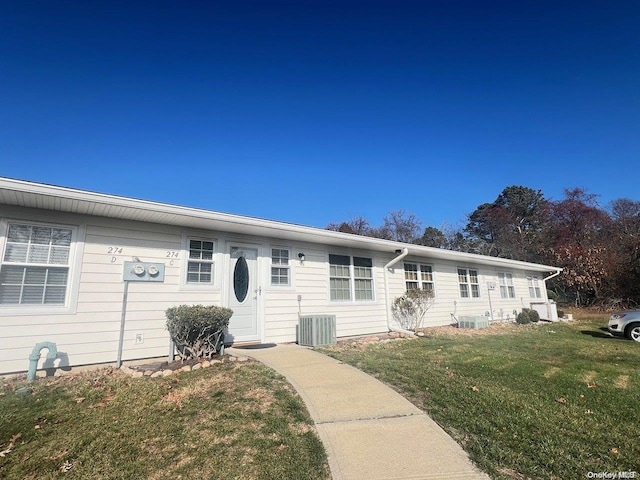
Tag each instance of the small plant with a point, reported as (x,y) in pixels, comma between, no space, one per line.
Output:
(197,330)
(560,313)
(534,316)
(411,308)
(523,317)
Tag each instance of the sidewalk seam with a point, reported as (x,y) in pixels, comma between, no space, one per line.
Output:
(367,419)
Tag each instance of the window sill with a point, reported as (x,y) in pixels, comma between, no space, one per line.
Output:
(353,302)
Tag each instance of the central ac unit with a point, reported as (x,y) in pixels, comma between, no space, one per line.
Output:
(317,330)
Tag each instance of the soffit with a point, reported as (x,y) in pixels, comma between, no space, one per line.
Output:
(54,198)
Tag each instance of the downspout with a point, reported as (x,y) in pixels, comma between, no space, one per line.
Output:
(544,280)
(548,304)
(392,328)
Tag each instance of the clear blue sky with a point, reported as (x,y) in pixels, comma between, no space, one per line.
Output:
(312,112)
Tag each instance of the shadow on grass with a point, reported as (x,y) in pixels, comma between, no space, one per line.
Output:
(602,332)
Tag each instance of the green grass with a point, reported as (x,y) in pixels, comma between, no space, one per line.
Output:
(546,401)
(232,421)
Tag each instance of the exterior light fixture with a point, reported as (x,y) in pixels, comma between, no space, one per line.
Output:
(301,256)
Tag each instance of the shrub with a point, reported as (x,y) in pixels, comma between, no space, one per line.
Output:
(410,308)
(528,315)
(560,313)
(197,330)
(523,317)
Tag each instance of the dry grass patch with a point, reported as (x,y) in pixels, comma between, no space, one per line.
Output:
(198,425)
(590,378)
(474,359)
(497,328)
(552,371)
(263,397)
(622,382)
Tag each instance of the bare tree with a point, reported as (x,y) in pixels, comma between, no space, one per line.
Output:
(355,225)
(402,226)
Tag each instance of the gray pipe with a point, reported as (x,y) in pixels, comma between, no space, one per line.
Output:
(122,320)
(35,356)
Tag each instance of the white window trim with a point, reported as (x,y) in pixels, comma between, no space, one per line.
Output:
(501,276)
(469,284)
(352,278)
(74,266)
(420,280)
(535,285)
(289,284)
(184,285)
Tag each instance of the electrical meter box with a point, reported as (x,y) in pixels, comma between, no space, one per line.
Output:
(143,272)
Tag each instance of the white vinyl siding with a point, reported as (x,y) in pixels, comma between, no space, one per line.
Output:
(534,287)
(468,282)
(350,279)
(282,306)
(280,266)
(507,290)
(200,264)
(35,265)
(418,276)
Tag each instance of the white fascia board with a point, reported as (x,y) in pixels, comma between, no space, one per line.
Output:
(37,195)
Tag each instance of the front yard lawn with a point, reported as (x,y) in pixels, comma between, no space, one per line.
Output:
(232,421)
(545,401)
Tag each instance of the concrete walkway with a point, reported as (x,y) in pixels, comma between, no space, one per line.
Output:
(369,431)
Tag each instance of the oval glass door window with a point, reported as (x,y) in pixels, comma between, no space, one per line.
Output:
(241,279)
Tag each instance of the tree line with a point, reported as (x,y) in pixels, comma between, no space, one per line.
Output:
(598,247)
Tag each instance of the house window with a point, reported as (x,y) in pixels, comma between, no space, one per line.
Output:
(468,281)
(363,278)
(507,290)
(418,276)
(534,287)
(339,277)
(350,278)
(200,264)
(279,266)
(35,265)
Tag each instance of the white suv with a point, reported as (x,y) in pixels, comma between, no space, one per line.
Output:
(626,323)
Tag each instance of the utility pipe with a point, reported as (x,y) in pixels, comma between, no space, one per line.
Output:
(455,309)
(35,356)
(489,297)
(122,320)
(392,328)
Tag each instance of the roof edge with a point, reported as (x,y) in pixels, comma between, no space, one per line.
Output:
(56,191)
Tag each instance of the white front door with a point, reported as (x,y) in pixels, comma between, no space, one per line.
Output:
(243,294)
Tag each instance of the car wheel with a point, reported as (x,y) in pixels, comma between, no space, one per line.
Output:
(633,332)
